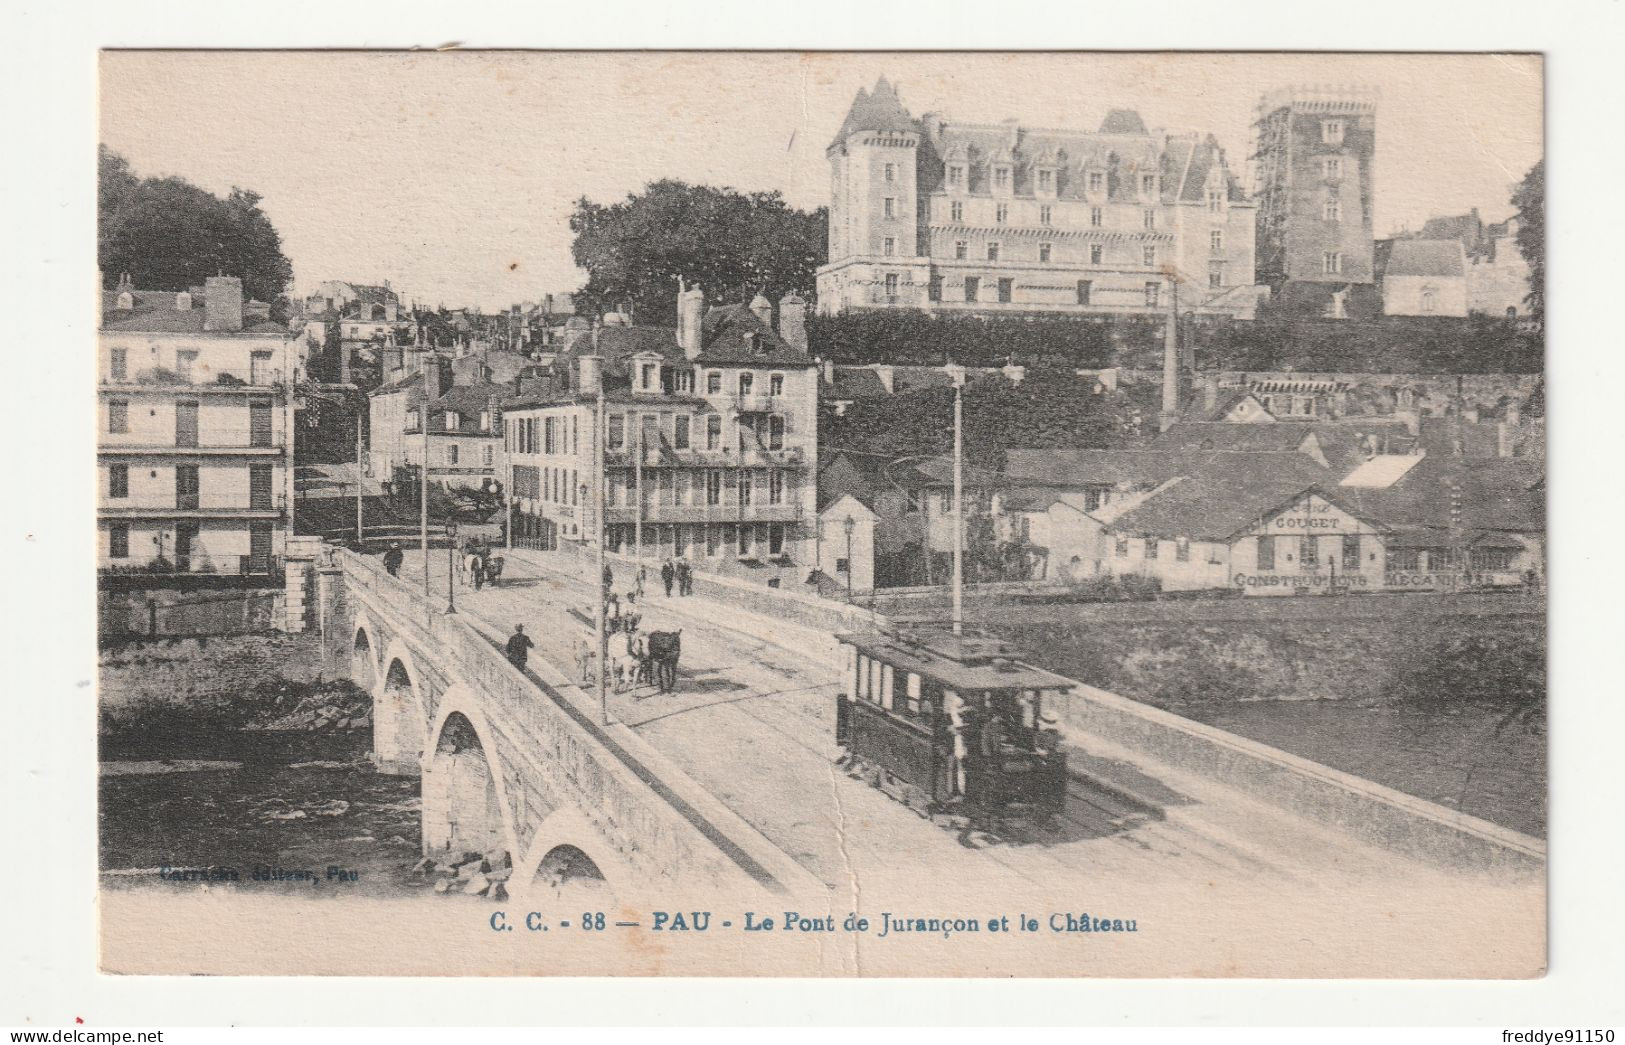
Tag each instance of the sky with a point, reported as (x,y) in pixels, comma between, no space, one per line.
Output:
(453,174)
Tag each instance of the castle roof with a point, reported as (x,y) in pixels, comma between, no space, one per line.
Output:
(1122,121)
(880,110)
(1427,257)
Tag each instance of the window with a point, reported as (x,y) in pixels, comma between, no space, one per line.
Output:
(1153,294)
(1215,201)
(186,428)
(775,385)
(451,453)
(973,288)
(888,207)
(747,382)
(259,486)
(1148,184)
(775,487)
(1331,263)
(259,423)
(956,176)
(680,432)
(1215,241)
(775,432)
(1043,252)
(1097,217)
(259,368)
(186,486)
(1150,255)
(713,487)
(118,480)
(1215,274)
(1331,132)
(744,486)
(1182,549)
(1001,177)
(1332,210)
(775,539)
(961,250)
(118,364)
(1006,287)
(118,541)
(1097,181)
(891,286)
(993,252)
(1046,181)
(891,172)
(933,288)
(485,420)
(1085,289)
(617,432)
(1351,552)
(1122,547)
(1308,552)
(888,246)
(713,383)
(183,365)
(1097,254)
(1266,553)
(1430,300)
(1150,219)
(1045,214)
(956,211)
(1151,544)
(1001,213)
(1331,167)
(713,432)
(649,373)
(118,416)
(454,421)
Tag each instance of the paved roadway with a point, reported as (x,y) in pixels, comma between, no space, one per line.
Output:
(754,724)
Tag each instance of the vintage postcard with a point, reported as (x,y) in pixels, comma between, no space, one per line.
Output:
(820,514)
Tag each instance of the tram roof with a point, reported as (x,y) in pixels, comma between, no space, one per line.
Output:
(963,663)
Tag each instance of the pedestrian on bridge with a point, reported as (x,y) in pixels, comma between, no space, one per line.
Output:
(392,559)
(519,647)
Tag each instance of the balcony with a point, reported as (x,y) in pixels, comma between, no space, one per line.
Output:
(653,457)
(757,403)
(161,379)
(708,513)
(222,450)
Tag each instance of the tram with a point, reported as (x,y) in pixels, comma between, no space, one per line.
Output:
(952,724)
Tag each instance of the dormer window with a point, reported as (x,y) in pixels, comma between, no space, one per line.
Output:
(1215,200)
(414,420)
(183,302)
(126,301)
(649,377)
(1046,180)
(1001,178)
(453,421)
(485,420)
(1097,181)
(956,176)
(1148,184)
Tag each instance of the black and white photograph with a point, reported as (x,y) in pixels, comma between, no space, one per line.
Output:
(820,514)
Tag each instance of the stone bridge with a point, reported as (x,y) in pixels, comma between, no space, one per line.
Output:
(518,760)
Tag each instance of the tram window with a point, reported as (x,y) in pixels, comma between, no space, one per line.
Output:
(874,681)
(913,692)
(886,680)
(863,678)
(851,671)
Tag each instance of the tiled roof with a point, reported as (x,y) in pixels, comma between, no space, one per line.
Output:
(154,312)
(881,110)
(1427,257)
(726,339)
(468,401)
(1230,435)
(1122,121)
(1114,467)
(853,383)
(1496,494)
(1226,495)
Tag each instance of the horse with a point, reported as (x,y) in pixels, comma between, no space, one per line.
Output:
(665,649)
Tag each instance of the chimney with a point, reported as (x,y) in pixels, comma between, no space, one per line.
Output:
(887,375)
(589,374)
(436,375)
(763,310)
(391,311)
(691,320)
(223,303)
(793,321)
(829,371)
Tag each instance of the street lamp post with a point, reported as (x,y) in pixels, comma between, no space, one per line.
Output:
(957,374)
(451,566)
(849,525)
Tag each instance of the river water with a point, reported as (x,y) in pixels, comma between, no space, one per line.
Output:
(246,799)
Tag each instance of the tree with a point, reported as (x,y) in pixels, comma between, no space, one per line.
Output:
(729,243)
(1529,197)
(169,234)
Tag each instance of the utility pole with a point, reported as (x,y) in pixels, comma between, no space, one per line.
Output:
(423,486)
(360,523)
(637,492)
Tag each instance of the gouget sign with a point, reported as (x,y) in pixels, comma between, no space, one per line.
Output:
(1311,516)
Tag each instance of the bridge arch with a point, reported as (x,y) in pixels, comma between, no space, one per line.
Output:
(399,713)
(364,655)
(465,806)
(569,860)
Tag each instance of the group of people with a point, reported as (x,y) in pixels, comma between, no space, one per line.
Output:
(678,573)
(478,565)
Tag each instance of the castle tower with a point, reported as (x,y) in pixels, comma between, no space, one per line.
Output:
(874,201)
(1313,148)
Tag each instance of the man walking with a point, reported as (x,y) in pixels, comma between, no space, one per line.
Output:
(667,574)
(392,559)
(519,647)
(685,578)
